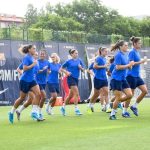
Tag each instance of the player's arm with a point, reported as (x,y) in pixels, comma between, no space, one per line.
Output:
(132,58)
(25,67)
(67,73)
(90,72)
(19,71)
(81,66)
(96,66)
(121,67)
(140,62)
(63,69)
(43,70)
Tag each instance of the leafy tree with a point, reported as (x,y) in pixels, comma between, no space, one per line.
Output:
(31,15)
(145,26)
(88,16)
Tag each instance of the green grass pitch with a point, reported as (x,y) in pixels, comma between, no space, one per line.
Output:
(87,132)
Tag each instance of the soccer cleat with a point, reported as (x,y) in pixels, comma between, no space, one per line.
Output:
(18,115)
(41,117)
(126,115)
(89,110)
(11,117)
(135,110)
(78,113)
(63,111)
(113,117)
(120,106)
(35,116)
(108,110)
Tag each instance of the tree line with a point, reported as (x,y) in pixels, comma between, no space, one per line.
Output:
(87,16)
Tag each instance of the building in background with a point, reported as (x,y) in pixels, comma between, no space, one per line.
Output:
(10,20)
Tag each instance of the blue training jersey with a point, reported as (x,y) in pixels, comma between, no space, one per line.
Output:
(120,59)
(134,56)
(101,72)
(72,66)
(36,70)
(91,67)
(111,68)
(53,77)
(20,66)
(41,77)
(28,75)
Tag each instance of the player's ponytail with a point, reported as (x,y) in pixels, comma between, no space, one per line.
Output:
(117,45)
(24,49)
(100,50)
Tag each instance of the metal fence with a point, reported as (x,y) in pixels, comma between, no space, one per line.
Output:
(63,36)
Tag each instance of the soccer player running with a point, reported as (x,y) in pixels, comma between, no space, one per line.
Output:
(110,70)
(27,83)
(41,78)
(72,69)
(40,72)
(31,95)
(53,81)
(100,80)
(133,77)
(119,83)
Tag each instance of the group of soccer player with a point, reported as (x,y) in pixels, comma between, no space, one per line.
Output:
(124,74)
(125,77)
(37,73)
